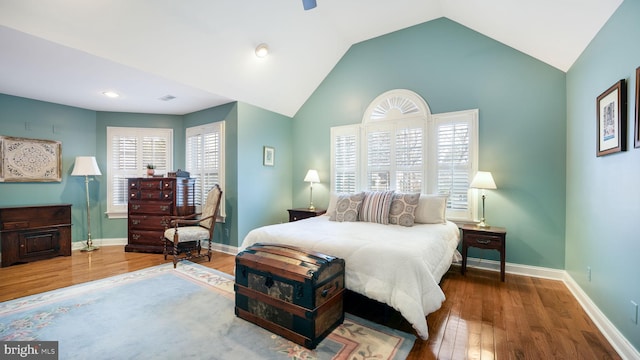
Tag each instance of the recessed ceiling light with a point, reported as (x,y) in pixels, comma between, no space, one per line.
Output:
(111,94)
(262,50)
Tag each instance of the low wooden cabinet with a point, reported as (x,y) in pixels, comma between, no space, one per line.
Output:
(30,233)
(151,200)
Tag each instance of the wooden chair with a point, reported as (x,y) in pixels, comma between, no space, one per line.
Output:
(186,233)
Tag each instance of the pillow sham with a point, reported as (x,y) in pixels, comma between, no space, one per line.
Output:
(347,207)
(431,209)
(375,207)
(403,209)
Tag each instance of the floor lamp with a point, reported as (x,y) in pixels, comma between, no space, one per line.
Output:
(87,166)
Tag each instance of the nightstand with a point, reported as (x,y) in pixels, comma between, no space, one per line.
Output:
(492,237)
(304,213)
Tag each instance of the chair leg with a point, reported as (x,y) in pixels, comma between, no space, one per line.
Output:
(209,254)
(175,249)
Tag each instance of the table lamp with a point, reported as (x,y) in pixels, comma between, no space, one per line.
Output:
(483,180)
(311,177)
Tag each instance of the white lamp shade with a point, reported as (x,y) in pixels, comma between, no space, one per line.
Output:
(312,176)
(483,180)
(85,165)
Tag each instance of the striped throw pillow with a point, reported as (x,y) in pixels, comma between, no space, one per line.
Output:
(375,207)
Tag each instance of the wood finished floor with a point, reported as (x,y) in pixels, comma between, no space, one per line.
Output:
(482,318)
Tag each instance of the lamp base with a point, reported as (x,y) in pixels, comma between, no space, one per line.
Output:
(89,248)
(483,224)
(311,207)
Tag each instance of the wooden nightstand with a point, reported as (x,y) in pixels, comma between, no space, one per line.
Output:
(304,213)
(492,237)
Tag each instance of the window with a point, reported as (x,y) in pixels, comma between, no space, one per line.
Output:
(205,159)
(401,146)
(129,150)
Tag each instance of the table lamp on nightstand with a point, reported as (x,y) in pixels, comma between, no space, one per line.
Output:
(483,180)
(311,177)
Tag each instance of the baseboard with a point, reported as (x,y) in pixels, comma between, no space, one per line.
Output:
(617,340)
(517,269)
(615,337)
(78,245)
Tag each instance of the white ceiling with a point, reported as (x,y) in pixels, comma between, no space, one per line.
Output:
(202,51)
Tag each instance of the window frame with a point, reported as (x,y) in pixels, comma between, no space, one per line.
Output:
(400,109)
(118,211)
(201,130)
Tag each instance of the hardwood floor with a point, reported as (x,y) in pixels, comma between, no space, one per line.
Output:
(482,318)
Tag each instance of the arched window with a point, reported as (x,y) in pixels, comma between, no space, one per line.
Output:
(400,145)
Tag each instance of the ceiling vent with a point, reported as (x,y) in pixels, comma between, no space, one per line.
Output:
(167,98)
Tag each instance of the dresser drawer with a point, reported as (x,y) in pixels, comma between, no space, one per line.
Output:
(150,207)
(145,237)
(484,241)
(148,222)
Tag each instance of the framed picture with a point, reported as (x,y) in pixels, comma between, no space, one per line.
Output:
(30,160)
(268,156)
(612,120)
(636,136)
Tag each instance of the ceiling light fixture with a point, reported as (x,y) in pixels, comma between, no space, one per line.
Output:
(309,4)
(111,94)
(262,50)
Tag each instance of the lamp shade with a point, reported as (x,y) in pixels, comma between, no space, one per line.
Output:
(312,176)
(483,180)
(85,165)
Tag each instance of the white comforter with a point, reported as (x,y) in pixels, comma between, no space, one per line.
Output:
(396,265)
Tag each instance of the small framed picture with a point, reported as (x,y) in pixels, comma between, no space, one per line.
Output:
(268,156)
(611,108)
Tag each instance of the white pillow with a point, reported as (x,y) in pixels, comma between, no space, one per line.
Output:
(333,199)
(431,209)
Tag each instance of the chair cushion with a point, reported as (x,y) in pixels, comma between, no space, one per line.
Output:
(188,233)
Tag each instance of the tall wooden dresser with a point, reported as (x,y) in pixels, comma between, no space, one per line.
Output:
(37,232)
(151,200)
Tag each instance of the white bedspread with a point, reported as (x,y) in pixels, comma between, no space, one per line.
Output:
(396,265)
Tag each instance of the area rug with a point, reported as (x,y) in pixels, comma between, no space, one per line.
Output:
(186,313)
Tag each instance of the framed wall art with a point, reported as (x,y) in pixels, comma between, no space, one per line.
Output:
(636,135)
(611,111)
(268,156)
(30,160)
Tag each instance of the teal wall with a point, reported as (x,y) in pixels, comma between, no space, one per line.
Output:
(264,191)
(75,128)
(603,192)
(522,123)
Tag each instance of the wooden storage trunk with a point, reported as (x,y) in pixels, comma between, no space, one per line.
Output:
(290,291)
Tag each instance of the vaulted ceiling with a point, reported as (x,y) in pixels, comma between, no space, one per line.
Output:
(202,51)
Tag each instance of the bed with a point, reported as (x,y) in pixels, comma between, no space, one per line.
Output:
(400,266)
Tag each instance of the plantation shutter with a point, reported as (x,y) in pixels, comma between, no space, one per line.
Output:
(379,162)
(409,159)
(344,159)
(456,159)
(204,159)
(129,152)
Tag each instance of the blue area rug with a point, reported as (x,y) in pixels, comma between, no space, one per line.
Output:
(162,313)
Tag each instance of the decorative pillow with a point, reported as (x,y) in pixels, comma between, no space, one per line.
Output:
(347,207)
(375,207)
(333,199)
(403,209)
(431,209)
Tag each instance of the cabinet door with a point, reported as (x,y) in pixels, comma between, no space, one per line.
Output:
(38,244)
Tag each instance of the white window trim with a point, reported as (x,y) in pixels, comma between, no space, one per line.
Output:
(120,212)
